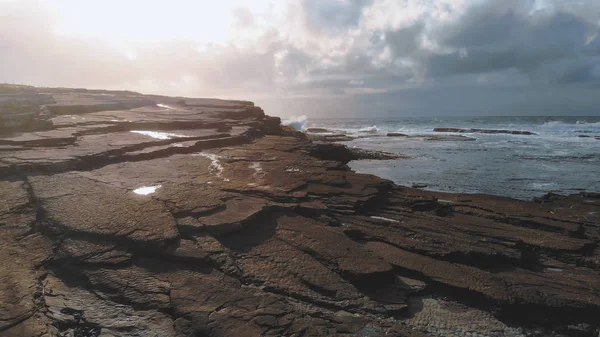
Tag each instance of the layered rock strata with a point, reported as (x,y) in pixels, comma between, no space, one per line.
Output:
(191,217)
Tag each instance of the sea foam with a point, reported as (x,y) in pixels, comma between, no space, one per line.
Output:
(369,129)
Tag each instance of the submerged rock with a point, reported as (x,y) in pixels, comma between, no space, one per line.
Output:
(396,134)
(419,185)
(511,132)
(449,138)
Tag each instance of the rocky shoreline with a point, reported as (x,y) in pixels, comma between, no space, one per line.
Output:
(198,217)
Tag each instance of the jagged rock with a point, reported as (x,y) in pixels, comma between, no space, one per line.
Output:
(77,310)
(198,217)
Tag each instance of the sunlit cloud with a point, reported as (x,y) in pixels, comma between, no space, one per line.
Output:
(265,49)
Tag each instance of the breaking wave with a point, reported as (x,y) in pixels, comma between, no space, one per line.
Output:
(296,122)
(369,129)
(557,124)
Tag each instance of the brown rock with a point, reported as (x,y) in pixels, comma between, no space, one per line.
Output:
(87,208)
(216,221)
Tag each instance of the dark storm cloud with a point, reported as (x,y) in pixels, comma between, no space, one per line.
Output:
(491,39)
(579,73)
(332,16)
(405,41)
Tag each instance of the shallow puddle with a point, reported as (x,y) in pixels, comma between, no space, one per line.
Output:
(145,190)
(384,219)
(158,135)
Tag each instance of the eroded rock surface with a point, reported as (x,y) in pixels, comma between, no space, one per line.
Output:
(191,217)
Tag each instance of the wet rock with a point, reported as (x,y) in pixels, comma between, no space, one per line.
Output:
(333,138)
(419,185)
(448,138)
(346,154)
(318,130)
(511,132)
(363,154)
(396,134)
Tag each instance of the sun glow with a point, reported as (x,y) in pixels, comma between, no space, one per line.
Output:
(140,21)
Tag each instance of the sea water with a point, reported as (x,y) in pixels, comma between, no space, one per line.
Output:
(563,156)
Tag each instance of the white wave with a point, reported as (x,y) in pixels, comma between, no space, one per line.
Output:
(543,185)
(554,123)
(296,122)
(369,129)
(577,124)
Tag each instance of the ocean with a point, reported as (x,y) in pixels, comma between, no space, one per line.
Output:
(562,157)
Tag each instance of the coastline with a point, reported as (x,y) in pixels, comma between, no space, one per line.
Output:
(206,217)
(522,158)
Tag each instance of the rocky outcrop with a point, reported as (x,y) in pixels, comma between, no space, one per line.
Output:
(344,154)
(319,130)
(510,132)
(396,134)
(206,218)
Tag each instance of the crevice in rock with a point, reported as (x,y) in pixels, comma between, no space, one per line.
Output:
(488,262)
(509,312)
(84,109)
(318,289)
(97,161)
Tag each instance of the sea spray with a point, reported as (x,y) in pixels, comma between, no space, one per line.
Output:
(296,122)
(369,129)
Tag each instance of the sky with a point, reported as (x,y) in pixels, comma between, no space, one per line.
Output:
(321,58)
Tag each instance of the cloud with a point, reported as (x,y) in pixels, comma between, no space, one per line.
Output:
(243,17)
(333,16)
(492,38)
(358,52)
